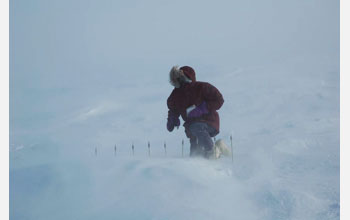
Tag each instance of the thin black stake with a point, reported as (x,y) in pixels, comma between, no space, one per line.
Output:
(149,149)
(214,148)
(231,148)
(115,150)
(182,150)
(132,148)
(165,148)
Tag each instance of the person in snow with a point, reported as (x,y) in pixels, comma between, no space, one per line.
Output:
(197,103)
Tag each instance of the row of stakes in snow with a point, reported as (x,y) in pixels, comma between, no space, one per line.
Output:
(165,152)
(149,149)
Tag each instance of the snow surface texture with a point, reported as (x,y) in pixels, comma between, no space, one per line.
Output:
(94,75)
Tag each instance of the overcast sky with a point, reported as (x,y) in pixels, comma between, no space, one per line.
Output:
(63,50)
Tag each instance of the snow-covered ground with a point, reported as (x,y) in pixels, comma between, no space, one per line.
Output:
(105,84)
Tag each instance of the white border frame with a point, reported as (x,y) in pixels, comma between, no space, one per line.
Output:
(344,109)
(4,64)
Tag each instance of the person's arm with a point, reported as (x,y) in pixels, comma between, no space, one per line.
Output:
(212,97)
(173,115)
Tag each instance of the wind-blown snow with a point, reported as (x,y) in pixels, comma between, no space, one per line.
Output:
(95,74)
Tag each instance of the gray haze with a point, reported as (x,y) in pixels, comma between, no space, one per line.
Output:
(62,52)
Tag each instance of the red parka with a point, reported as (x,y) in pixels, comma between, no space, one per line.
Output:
(194,93)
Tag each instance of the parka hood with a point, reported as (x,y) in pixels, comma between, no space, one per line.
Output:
(179,76)
(189,72)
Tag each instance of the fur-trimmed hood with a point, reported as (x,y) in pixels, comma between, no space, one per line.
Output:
(179,76)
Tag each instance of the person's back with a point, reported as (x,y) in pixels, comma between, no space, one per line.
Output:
(197,103)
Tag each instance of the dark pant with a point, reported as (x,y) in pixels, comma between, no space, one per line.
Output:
(200,139)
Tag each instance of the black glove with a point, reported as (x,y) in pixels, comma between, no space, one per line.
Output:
(172,122)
